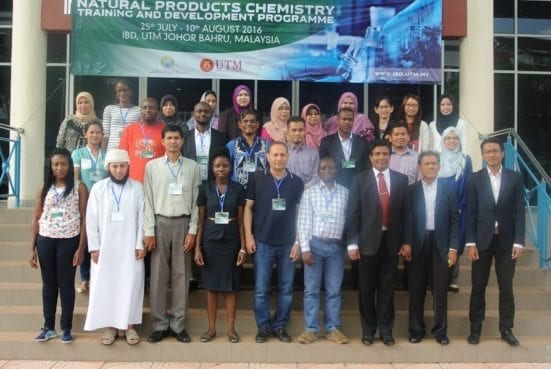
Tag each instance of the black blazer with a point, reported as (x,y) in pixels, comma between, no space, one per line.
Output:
(483,212)
(330,146)
(446,219)
(365,214)
(217,138)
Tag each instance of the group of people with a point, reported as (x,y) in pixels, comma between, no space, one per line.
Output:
(219,188)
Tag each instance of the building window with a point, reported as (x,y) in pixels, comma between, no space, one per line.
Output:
(504,16)
(534,17)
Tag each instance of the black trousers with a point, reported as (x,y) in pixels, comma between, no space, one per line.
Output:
(428,269)
(505,270)
(376,276)
(58,277)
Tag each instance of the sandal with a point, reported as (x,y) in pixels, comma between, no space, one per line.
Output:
(109,336)
(206,337)
(132,337)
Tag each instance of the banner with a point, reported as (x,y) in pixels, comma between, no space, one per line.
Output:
(387,41)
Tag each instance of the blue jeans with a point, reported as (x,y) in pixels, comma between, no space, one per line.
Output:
(264,259)
(329,265)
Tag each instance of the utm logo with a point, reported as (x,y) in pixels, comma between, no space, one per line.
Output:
(206,65)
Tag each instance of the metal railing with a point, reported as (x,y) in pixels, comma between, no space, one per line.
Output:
(13,160)
(537,188)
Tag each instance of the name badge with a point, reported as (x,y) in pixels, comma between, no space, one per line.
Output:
(203,160)
(57,213)
(117,216)
(146,154)
(85,164)
(327,217)
(249,166)
(278,204)
(347,164)
(221,217)
(175,188)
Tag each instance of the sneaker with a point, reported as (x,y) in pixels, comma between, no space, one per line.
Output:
(45,335)
(307,337)
(66,337)
(336,336)
(83,287)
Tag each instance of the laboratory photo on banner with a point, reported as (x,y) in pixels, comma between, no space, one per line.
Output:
(386,41)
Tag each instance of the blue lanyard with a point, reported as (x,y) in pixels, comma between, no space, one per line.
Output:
(117,199)
(94,160)
(278,184)
(250,152)
(146,138)
(123,118)
(58,196)
(222,197)
(329,199)
(174,175)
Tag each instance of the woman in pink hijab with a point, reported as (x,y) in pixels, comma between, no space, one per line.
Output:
(276,128)
(362,125)
(314,130)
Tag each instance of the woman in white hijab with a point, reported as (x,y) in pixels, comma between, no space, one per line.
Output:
(455,169)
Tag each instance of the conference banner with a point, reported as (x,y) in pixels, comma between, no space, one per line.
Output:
(375,41)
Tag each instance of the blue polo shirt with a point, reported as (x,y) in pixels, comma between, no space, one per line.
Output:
(274,227)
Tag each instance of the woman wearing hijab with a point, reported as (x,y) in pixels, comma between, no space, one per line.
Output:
(455,169)
(447,116)
(71,131)
(314,130)
(169,112)
(362,125)
(276,128)
(242,100)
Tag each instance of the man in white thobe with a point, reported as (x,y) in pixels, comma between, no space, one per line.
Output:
(115,241)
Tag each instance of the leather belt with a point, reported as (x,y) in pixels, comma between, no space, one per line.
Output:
(332,241)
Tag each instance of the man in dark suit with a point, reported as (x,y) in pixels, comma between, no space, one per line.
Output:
(434,246)
(348,150)
(200,142)
(494,230)
(379,231)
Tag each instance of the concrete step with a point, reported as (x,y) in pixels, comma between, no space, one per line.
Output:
(20,345)
(16,216)
(533,298)
(527,322)
(15,232)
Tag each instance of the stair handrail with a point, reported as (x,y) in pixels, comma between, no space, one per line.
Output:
(537,230)
(14,154)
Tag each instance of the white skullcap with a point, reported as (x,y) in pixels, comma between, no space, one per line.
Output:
(116,156)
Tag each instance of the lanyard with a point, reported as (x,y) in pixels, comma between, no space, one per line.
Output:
(94,160)
(58,196)
(146,138)
(202,139)
(329,199)
(123,118)
(278,184)
(117,199)
(174,175)
(250,152)
(222,197)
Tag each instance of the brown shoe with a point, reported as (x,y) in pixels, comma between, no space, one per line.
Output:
(336,336)
(83,287)
(307,337)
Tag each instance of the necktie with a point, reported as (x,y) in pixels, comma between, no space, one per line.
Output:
(385,198)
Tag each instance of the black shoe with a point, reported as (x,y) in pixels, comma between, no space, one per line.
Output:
(508,337)
(282,334)
(182,336)
(262,335)
(415,339)
(474,338)
(388,340)
(443,340)
(157,336)
(367,340)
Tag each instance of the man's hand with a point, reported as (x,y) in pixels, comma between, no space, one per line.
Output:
(250,244)
(94,256)
(354,254)
(405,252)
(517,251)
(241,256)
(308,258)
(472,253)
(149,243)
(294,255)
(189,242)
(452,258)
(140,254)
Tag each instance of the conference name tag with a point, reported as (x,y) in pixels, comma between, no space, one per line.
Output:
(117,216)
(249,166)
(57,213)
(175,188)
(85,164)
(146,154)
(327,217)
(347,164)
(221,217)
(278,204)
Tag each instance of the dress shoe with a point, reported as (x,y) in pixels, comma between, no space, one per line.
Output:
(474,338)
(282,334)
(508,337)
(388,340)
(367,340)
(157,336)
(233,337)
(182,336)
(262,335)
(415,339)
(443,339)
(207,337)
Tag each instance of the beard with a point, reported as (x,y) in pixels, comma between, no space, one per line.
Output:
(119,181)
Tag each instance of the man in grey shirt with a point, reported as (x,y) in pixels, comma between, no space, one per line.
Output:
(303,160)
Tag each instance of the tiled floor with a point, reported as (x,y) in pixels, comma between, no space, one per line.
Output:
(21,364)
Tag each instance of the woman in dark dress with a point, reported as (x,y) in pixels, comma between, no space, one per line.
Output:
(220,248)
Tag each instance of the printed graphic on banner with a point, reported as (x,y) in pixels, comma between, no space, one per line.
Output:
(389,41)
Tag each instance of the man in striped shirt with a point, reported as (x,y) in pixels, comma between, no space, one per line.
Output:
(321,223)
